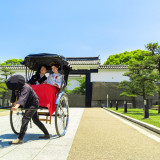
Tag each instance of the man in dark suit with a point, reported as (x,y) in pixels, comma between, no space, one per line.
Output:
(38,78)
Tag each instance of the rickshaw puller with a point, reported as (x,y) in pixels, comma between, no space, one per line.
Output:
(28,99)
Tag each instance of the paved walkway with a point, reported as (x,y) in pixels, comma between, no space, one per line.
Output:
(103,136)
(100,136)
(4,112)
(35,149)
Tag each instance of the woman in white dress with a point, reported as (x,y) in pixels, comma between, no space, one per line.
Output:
(55,78)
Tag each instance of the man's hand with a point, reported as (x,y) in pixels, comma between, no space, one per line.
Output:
(14,108)
(13,104)
(45,82)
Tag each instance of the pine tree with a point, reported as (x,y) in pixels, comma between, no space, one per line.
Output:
(154,48)
(3,88)
(143,76)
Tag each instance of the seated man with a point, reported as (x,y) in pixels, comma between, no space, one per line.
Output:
(39,78)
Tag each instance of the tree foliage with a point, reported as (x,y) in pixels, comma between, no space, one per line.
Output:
(3,88)
(5,73)
(11,62)
(154,48)
(81,89)
(143,76)
(126,57)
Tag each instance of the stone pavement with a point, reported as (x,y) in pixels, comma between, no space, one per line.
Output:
(4,112)
(101,135)
(34,148)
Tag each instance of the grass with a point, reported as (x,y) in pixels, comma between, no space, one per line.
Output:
(154,117)
(1,110)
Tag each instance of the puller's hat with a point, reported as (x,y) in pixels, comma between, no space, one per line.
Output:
(15,82)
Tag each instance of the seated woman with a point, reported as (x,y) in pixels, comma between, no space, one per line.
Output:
(55,78)
(47,91)
(39,77)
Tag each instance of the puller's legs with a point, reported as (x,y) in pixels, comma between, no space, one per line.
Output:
(25,120)
(39,123)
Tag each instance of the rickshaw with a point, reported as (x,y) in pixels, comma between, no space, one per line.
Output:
(32,63)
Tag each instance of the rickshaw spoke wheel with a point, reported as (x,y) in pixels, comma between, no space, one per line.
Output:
(16,120)
(62,116)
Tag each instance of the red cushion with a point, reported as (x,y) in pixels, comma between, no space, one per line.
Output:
(47,96)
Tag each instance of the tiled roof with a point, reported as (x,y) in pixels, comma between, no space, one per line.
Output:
(83,60)
(19,67)
(113,67)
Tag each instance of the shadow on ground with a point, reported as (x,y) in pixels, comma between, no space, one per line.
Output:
(6,138)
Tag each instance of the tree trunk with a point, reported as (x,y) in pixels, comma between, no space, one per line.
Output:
(146,109)
(111,104)
(3,99)
(125,106)
(159,87)
(116,105)
(134,102)
(159,102)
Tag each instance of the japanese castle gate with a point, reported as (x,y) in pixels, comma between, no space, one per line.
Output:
(85,66)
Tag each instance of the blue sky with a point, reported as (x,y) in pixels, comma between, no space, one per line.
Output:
(77,28)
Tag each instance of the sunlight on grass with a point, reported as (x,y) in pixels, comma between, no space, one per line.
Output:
(154,117)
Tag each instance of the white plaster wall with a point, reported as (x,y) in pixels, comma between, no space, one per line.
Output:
(72,84)
(109,76)
(21,72)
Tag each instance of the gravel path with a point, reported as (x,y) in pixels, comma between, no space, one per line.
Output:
(101,136)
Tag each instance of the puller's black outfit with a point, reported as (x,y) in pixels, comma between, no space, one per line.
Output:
(27,98)
(37,77)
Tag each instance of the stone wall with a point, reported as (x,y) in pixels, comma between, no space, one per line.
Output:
(101,89)
(76,100)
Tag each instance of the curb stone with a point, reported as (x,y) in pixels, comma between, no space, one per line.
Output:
(146,125)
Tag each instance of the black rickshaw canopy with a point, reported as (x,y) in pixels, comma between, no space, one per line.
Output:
(35,61)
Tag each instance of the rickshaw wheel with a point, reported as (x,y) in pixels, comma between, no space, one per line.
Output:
(62,115)
(16,120)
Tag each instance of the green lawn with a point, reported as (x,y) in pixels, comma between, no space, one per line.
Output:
(1,110)
(154,117)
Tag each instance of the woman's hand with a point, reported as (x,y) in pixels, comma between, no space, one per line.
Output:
(56,85)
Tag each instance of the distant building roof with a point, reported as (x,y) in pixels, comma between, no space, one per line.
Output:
(16,67)
(113,67)
(83,60)
(21,67)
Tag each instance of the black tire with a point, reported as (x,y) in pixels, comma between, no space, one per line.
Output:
(16,120)
(62,115)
